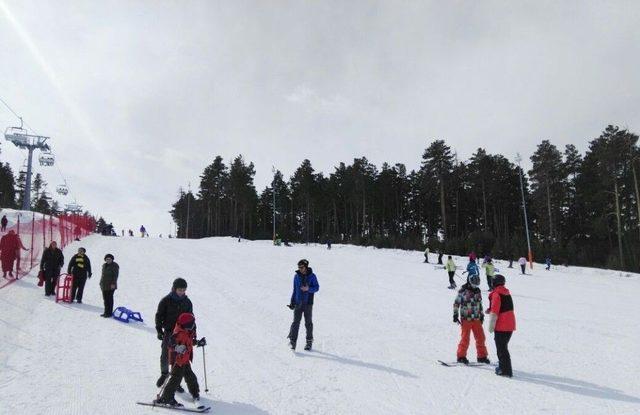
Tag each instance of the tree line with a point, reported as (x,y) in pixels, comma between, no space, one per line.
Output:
(582,208)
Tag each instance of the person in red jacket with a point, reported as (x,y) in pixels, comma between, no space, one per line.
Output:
(180,356)
(10,246)
(502,322)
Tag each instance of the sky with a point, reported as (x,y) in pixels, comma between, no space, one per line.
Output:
(139,96)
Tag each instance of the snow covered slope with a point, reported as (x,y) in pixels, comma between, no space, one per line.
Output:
(382,318)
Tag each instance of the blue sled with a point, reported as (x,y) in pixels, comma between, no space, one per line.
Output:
(124,314)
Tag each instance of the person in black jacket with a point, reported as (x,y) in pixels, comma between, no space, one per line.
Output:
(80,267)
(169,308)
(51,264)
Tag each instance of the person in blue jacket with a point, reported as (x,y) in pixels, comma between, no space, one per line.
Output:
(305,285)
(472,268)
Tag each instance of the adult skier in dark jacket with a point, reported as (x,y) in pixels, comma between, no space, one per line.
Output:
(305,285)
(51,264)
(109,283)
(169,309)
(80,267)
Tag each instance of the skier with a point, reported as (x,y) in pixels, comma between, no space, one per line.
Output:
(451,269)
(468,308)
(109,283)
(50,264)
(170,307)
(329,243)
(182,340)
(547,261)
(305,285)
(10,245)
(440,255)
(472,267)
(523,264)
(490,270)
(80,267)
(4,222)
(426,255)
(502,322)
(143,231)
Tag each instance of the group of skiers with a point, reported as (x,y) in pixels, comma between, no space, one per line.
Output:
(79,267)
(468,313)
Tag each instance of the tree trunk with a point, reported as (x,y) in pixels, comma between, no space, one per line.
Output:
(442,209)
(619,226)
(484,206)
(549,210)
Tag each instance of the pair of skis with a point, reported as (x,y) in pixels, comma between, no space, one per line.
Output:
(201,409)
(452,364)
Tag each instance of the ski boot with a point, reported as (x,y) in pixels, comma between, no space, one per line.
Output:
(463,360)
(292,344)
(180,389)
(168,402)
(484,360)
(161,379)
(499,372)
(308,346)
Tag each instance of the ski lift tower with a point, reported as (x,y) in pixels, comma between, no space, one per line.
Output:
(22,139)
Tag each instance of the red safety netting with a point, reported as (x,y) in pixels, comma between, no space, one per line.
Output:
(32,234)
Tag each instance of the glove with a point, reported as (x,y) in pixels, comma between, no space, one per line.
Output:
(160,335)
(292,306)
(180,349)
(492,322)
(481,318)
(201,343)
(455,319)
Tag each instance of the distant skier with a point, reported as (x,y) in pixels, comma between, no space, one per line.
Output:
(109,283)
(329,243)
(143,231)
(510,263)
(490,270)
(451,269)
(426,255)
(80,267)
(467,311)
(181,341)
(50,264)
(10,245)
(547,261)
(502,322)
(523,264)
(4,222)
(170,307)
(472,267)
(305,285)
(130,232)
(440,255)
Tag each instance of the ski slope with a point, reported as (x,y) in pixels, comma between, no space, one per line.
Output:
(382,318)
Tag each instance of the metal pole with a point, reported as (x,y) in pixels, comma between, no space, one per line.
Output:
(188,206)
(524,207)
(26,200)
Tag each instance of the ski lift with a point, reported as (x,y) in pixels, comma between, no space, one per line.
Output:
(17,135)
(73,208)
(47,159)
(62,189)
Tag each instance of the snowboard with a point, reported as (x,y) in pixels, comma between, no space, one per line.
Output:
(452,364)
(200,410)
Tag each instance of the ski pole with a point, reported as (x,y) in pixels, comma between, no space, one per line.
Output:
(204,362)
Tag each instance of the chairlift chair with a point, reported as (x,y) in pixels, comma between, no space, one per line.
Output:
(62,189)
(17,135)
(47,159)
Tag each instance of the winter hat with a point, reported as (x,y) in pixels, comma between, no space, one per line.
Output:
(303,262)
(109,256)
(83,250)
(498,280)
(473,280)
(187,321)
(179,283)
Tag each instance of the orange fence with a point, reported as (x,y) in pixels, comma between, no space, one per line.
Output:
(32,234)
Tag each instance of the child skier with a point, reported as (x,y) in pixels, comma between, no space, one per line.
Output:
(502,322)
(472,267)
(467,311)
(451,269)
(490,269)
(181,354)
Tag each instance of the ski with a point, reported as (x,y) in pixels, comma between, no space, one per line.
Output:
(200,410)
(452,364)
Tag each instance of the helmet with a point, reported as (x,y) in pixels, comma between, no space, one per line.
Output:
(303,263)
(498,280)
(474,280)
(179,283)
(187,321)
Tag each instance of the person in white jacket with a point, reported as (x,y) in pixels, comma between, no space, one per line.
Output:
(523,264)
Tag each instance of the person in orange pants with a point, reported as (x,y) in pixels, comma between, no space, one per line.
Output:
(467,311)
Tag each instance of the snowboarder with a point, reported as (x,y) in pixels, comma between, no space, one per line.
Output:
(170,307)
(467,311)
(10,246)
(523,264)
(51,264)
(426,255)
(4,222)
(109,283)
(80,267)
(305,285)
(502,322)
(547,261)
(181,340)
(143,231)
(490,270)
(451,269)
